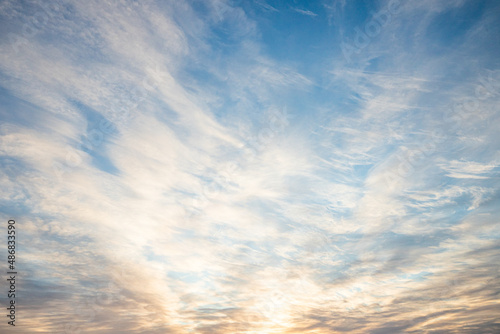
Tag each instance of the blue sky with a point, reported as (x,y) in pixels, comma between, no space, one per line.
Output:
(252,166)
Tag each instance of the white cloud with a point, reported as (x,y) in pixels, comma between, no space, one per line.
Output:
(468,169)
(305,12)
(357,220)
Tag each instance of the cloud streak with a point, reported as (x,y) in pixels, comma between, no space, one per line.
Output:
(173,170)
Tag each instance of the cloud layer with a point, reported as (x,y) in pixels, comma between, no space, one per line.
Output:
(215,167)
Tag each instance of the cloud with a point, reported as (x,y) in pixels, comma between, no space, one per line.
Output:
(305,12)
(468,169)
(174,172)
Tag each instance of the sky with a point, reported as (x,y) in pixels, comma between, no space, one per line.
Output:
(217,166)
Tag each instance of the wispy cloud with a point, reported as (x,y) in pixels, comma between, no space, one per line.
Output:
(178,167)
(305,12)
(468,169)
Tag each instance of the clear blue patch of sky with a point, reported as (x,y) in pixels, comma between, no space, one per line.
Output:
(449,28)
(95,139)
(152,256)
(15,110)
(293,36)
